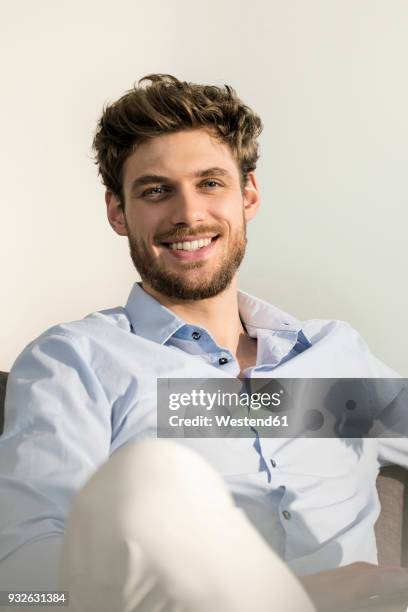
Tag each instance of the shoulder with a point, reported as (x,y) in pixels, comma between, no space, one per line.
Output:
(95,322)
(319,329)
(343,345)
(78,336)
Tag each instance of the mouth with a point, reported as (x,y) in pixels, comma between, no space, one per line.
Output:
(193,249)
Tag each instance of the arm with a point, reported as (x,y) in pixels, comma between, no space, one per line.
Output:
(364,585)
(57,433)
(355,585)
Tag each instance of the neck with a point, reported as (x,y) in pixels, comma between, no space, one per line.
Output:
(219,314)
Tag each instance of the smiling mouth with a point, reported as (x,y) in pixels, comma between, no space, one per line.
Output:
(190,245)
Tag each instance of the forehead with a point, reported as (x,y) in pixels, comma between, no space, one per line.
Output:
(178,155)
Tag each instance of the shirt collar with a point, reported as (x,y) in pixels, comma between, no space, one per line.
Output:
(155,322)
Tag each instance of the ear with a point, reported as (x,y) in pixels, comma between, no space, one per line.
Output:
(251,197)
(116,213)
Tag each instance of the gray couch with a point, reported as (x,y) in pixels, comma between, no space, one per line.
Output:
(392,485)
(3,381)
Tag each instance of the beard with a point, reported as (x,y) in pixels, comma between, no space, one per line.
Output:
(178,285)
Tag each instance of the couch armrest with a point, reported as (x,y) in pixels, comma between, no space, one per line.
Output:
(390,531)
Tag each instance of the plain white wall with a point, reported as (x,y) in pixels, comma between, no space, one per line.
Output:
(328,78)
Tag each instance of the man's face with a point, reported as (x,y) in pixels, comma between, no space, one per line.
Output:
(184,214)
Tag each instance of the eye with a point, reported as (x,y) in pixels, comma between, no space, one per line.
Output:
(211,183)
(157,190)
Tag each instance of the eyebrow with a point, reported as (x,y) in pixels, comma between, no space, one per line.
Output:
(147,179)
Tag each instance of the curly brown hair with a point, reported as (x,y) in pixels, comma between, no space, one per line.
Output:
(168,105)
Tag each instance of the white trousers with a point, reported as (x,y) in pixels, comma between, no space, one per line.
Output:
(155,530)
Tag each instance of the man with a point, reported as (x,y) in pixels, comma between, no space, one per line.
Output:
(178,160)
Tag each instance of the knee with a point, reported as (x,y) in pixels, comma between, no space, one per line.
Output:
(151,472)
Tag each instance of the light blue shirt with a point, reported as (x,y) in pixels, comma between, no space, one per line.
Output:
(83,389)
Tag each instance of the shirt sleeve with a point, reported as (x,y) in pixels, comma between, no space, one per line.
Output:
(57,433)
(391,391)
(394,450)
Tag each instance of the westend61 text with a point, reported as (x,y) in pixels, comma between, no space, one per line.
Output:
(228,421)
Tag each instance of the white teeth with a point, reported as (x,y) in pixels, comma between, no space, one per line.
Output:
(192,245)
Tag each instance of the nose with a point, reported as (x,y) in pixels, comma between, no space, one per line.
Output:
(187,208)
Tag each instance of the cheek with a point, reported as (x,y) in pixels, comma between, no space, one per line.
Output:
(150,225)
(229,213)
(239,220)
(141,231)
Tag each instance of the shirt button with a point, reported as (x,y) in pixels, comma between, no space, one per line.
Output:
(273,463)
(196,335)
(287,515)
(222,360)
